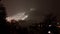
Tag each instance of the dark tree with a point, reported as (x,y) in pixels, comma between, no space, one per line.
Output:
(3,25)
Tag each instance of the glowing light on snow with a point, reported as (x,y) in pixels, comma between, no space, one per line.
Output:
(19,16)
(9,19)
(24,17)
(32,9)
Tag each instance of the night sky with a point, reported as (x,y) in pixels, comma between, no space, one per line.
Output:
(41,7)
(35,9)
(16,6)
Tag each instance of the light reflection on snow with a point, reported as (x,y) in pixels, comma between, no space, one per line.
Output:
(19,16)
